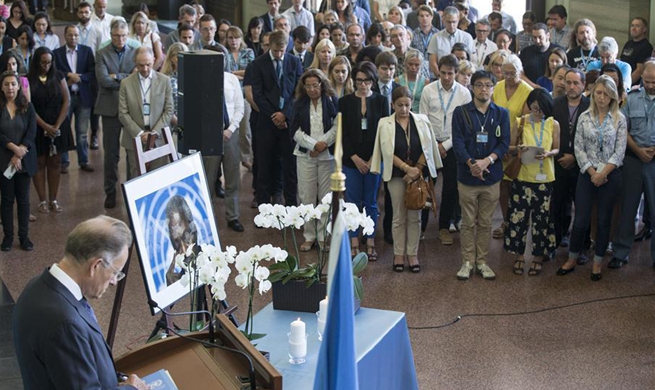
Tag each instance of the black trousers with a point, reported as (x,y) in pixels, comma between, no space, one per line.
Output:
(17,188)
(274,148)
(561,202)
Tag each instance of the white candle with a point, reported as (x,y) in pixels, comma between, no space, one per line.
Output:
(321,327)
(298,350)
(297,333)
(323,309)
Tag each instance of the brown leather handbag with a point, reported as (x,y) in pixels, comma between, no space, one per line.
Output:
(513,163)
(419,194)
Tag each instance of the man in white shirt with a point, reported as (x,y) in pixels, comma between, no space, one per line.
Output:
(299,16)
(483,46)
(438,101)
(231,158)
(102,19)
(442,43)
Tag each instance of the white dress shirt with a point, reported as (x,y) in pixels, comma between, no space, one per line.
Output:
(431,105)
(442,42)
(145,84)
(481,51)
(233,100)
(67,281)
(90,36)
(71,56)
(103,25)
(302,18)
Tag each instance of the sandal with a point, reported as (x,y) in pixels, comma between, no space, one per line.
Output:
(324,245)
(399,267)
(535,268)
(306,246)
(500,231)
(518,267)
(43,207)
(372,254)
(415,268)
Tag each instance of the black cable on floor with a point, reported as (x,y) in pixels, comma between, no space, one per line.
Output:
(530,311)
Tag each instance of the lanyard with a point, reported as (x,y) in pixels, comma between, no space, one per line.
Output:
(480,56)
(600,130)
(446,108)
(409,83)
(584,59)
(540,140)
(144,93)
(40,41)
(426,41)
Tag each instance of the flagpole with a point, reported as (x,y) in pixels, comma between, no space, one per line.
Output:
(338,178)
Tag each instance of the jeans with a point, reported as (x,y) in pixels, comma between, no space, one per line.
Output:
(362,190)
(82,118)
(586,194)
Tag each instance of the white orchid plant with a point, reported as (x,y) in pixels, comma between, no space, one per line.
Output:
(294,217)
(212,267)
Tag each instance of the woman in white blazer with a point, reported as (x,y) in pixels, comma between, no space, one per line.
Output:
(401,140)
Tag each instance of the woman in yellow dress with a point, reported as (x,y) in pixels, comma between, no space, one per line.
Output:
(511,93)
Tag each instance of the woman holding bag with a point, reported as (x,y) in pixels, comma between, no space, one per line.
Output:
(531,190)
(404,147)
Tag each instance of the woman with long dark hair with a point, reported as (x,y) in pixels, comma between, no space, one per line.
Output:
(43,35)
(362,111)
(51,101)
(18,16)
(17,133)
(25,48)
(253,35)
(6,42)
(314,134)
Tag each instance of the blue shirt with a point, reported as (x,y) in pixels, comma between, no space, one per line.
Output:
(624,67)
(466,147)
(640,111)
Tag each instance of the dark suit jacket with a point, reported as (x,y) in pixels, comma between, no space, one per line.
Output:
(85,67)
(566,135)
(107,62)
(355,140)
(307,59)
(25,136)
(267,92)
(58,344)
(268,26)
(301,116)
(394,85)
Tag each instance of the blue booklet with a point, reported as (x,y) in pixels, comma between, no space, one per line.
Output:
(160,380)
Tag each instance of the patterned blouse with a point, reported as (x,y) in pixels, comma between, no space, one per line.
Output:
(590,135)
(245,57)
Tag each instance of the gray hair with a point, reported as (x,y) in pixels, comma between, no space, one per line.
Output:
(483,22)
(608,45)
(515,61)
(101,237)
(143,50)
(450,10)
(118,23)
(187,9)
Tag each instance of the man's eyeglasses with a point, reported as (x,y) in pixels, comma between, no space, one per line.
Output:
(117,274)
(363,81)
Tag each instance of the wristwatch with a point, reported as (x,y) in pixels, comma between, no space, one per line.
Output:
(491,159)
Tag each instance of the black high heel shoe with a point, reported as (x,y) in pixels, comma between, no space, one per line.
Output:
(562,271)
(596,277)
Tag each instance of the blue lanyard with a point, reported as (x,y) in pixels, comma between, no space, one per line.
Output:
(583,59)
(541,136)
(426,42)
(445,108)
(600,130)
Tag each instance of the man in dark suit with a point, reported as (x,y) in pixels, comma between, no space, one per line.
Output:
(269,17)
(301,41)
(274,79)
(566,111)
(58,342)
(114,63)
(77,62)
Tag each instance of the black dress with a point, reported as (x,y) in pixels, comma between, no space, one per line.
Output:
(47,102)
(13,31)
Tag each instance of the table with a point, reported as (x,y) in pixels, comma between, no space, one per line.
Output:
(384,352)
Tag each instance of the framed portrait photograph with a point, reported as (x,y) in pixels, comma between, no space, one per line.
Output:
(171,211)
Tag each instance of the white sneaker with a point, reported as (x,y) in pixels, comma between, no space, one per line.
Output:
(465,272)
(452,228)
(486,272)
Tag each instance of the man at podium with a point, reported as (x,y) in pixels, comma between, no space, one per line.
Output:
(58,342)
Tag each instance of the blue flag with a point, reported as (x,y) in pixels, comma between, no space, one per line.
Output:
(337,361)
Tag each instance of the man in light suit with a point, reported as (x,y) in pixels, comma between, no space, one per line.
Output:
(114,63)
(274,79)
(77,62)
(145,107)
(58,341)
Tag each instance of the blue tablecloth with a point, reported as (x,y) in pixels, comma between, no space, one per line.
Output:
(384,352)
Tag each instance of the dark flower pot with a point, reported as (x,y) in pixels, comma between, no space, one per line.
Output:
(295,296)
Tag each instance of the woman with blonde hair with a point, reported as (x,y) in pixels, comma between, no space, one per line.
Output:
(324,53)
(412,78)
(495,64)
(340,76)
(396,16)
(464,73)
(140,31)
(600,142)
(170,69)
(312,129)
(239,55)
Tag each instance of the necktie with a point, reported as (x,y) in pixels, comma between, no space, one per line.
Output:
(226,115)
(385,90)
(89,309)
(278,69)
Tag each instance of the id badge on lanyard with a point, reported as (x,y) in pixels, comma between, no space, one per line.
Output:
(482,137)
(364,124)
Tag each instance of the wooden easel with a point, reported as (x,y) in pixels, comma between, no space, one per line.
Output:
(143,158)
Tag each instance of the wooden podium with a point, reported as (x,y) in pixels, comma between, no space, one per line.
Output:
(195,366)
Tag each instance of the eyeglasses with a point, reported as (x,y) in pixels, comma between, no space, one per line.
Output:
(121,36)
(510,74)
(363,81)
(312,86)
(535,108)
(496,65)
(482,85)
(117,274)
(482,31)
